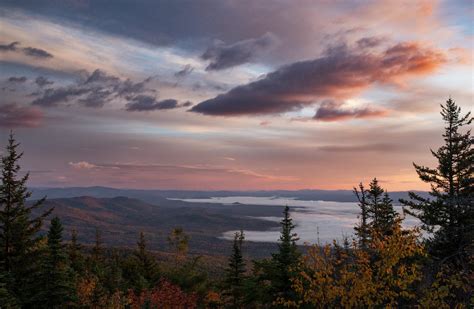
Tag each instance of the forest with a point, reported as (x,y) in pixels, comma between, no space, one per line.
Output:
(383,266)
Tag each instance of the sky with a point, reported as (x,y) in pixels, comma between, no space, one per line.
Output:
(240,95)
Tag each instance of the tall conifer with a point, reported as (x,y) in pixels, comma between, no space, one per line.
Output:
(234,274)
(57,278)
(19,227)
(449,213)
(286,259)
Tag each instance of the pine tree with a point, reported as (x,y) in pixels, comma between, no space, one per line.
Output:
(234,274)
(449,213)
(57,278)
(286,260)
(19,240)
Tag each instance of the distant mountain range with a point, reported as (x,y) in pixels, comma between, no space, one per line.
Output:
(157,196)
(120,214)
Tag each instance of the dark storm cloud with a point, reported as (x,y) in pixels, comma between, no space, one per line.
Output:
(142,103)
(15,79)
(29,51)
(43,81)
(340,73)
(333,111)
(13,115)
(222,56)
(94,90)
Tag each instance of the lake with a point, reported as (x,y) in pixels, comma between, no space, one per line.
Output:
(314,220)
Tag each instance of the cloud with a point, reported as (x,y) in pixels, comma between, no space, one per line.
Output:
(185,71)
(43,81)
(94,91)
(96,98)
(332,111)
(82,165)
(29,51)
(188,169)
(338,74)
(36,52)
(9,47)
(13,115)
(370,42)
(99,76)
(53,97)
(15,79)
(374,147)
(224,56)
(142,103)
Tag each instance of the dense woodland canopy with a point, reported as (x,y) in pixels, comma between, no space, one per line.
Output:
(385,265)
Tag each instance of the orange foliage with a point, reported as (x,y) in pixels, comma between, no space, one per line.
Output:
(384,275)
(165,296)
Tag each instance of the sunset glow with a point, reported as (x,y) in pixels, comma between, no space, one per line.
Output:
(241,95)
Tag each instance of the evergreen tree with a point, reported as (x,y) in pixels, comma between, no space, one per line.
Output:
(146,262)
(388,217)
(449,213)
(113,274)
(234,274)
(56,279)
(377,213)
(283,264)
(179,244)
(362,230)
(75,253)
(380,209)
(19,240)
(97,249)
(6,299)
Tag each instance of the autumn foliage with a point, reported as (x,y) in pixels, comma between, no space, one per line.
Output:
(165,296)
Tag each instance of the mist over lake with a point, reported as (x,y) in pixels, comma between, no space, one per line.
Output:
(316,221)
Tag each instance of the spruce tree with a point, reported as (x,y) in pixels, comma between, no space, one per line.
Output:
(388,217)
(75,253)
(97,249)
(146,262)
(362,230)
(19,227)
(234,274)
(57,278)
(449,212)
(380,209)
(286,260)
